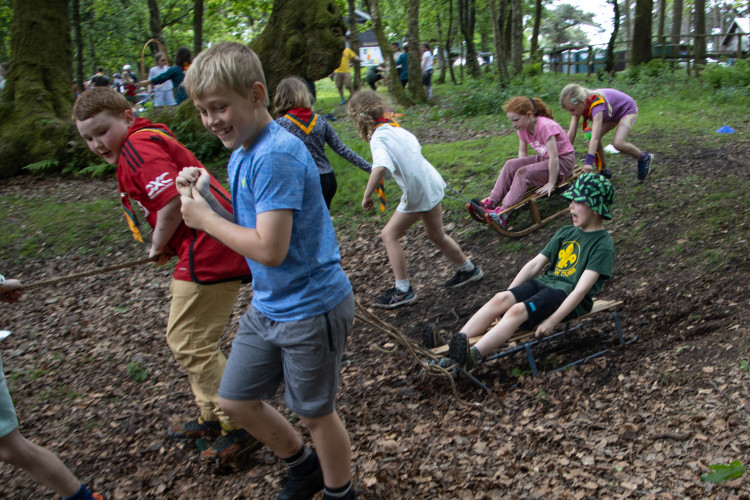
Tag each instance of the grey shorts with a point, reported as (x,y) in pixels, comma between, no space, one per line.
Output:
(8,419)
(305,354)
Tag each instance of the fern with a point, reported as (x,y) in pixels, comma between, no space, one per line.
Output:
(42,166)
(98,170)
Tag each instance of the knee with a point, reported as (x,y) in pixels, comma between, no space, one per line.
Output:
(12,447)
(517,311)
(388,236)
(237,409)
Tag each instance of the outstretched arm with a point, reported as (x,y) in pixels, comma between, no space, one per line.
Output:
(168,219)
(573,128)
(343,151)
(199,178)
(596,135)
(588,279)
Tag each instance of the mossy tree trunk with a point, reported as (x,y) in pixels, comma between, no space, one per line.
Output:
(36,103)
(303,38)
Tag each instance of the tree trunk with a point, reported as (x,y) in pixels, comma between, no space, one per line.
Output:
(154,24)
(303,38)
(441,50)
(700,31)
(516,44)
(662,6)
(628,31)
(498,29)
(37,99)
(642,32)
(467,21)
(610,64)
(535,35)
(676,26)
(449,41)
(397,90)
(354,45)
(78,45)
(197,27)
(415,53)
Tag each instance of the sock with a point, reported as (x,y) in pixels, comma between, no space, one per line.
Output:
(402,285)
(466,266)
(303,462)
(83,493)
(343,493)
(474,357)
(643,155)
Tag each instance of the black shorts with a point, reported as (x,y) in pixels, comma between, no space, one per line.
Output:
(541,302)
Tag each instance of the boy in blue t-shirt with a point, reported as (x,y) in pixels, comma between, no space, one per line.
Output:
(575,264)
(303,306)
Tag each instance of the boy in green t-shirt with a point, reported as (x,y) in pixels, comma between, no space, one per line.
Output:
(576,262)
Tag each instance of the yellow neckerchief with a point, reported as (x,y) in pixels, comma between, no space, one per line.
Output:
(591,101)
(306,127)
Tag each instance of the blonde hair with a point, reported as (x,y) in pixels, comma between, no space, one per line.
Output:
(364,108)
(226,65)
(291,93)
(522,105)
(98,99)
(573,94)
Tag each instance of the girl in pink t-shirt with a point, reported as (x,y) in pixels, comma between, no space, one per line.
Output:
(552,164)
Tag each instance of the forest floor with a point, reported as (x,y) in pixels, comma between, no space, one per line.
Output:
(644,421)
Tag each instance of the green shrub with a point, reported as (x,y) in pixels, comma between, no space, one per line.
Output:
(736,76)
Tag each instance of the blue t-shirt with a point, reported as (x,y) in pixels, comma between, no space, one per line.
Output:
(277,173)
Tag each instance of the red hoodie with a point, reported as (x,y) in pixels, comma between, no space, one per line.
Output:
(149,162)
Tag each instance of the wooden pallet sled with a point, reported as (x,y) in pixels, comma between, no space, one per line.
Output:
(525,341)
(529,201)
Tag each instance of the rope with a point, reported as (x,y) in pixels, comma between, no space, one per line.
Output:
(144,75)
(43,284)
(417,352)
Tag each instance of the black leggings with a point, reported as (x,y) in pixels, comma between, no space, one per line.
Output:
(329,185)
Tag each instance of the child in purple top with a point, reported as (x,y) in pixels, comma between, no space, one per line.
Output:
(552,164)
(605,109)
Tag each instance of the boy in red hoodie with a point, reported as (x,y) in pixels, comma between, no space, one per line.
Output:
(207,276)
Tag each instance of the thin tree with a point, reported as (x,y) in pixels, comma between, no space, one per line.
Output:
(197,27)
(662,6)
(700,31)
(35,115)
(467,21)
(354,44)
(498,12)
(516,43)
(534,49)
(642,32)
(676,26)
(628,30)
(415,53)
(76,7)
(154,23)
(397,90)
(609,66)
(449,41)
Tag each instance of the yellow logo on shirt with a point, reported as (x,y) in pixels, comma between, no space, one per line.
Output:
(567,258)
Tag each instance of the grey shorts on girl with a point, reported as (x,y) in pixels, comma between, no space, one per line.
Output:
(8,419)
(306,354)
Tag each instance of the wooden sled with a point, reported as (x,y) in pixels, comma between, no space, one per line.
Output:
(525,340)
(529,200)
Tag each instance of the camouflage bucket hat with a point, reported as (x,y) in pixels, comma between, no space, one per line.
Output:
(595,191)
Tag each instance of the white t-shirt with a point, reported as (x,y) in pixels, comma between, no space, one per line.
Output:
(163,95)
(427,60)
(400,153)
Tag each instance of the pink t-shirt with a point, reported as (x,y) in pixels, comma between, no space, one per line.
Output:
(546,128)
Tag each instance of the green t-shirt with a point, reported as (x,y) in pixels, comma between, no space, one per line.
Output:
(572,251)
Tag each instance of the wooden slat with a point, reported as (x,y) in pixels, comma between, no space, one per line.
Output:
(524,335)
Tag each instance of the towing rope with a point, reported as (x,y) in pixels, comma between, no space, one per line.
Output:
(54,281)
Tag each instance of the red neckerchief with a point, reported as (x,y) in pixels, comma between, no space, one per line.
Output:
(304,118)
(591,101)
(386,121)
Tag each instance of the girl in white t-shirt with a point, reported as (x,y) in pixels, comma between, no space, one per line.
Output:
(397,153)
(553,163)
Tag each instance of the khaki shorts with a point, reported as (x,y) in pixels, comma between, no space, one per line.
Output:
(343,79)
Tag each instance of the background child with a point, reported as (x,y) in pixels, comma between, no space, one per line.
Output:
(554,162)
(427,63)
(303,306)
(293,105)
(603,110)
(576,263)
(41,463)
(207,276)
(397,153)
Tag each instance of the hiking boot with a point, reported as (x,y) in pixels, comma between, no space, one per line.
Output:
(461,353)
(431,337)
(644,165)
(487,204)
(196,428)
(498,218)
(302,487)
(395,298)
(463,277)
(230,444)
